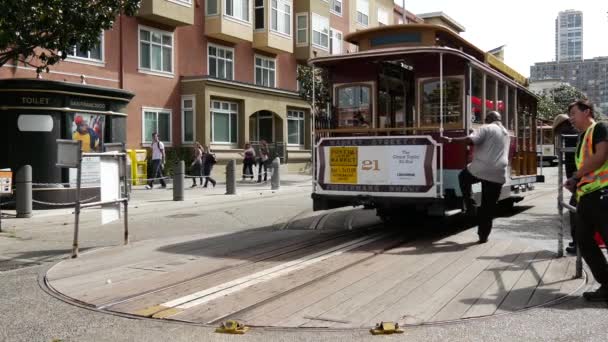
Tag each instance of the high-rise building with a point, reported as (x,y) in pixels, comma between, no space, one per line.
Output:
(221,72)
(569,36)
(589,76)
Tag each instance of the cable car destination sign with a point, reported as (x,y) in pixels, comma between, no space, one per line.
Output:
(405,165)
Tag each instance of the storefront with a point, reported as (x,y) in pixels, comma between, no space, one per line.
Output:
(34,113)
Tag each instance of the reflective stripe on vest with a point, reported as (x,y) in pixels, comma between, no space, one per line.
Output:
(595,180)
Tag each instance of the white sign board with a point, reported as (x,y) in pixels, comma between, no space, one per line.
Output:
(401,166)
(68,153)
(110,189)
(90,177)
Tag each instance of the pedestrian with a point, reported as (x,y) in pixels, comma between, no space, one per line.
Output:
(158,162)
(563,127)
(264,159)
(196,168)
(208,162)
(489,166)
(248,161)
(590,186)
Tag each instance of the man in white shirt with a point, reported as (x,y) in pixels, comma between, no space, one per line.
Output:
(489,166)
(158,162)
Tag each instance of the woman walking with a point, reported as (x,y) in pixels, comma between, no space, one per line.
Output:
(196,168)
(208,162)
(248,161)
(263,161)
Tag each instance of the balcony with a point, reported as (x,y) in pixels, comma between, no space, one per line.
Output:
(173,13)
(272,42)
(231,25)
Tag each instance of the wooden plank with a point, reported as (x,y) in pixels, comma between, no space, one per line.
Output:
(433,294)
(218,278)
(411,293)
(152,280)
(493,296)
(549,287)
(571,284)
(471,292)
(375,269)
(379,294)
(520,293)
(221,308)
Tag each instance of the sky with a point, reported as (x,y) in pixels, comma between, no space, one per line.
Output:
(527,27)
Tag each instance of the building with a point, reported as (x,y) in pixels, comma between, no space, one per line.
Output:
(221,72)
(544,86)
(569,36)
(589,76)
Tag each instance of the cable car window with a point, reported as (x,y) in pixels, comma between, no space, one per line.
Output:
(452,102)
(354,106)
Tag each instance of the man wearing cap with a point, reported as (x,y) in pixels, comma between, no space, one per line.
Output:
(489,166)
(590,186)
(563,126)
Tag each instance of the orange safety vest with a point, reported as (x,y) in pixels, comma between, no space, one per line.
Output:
(595,180)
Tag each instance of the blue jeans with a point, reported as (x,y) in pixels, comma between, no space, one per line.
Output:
(157,172)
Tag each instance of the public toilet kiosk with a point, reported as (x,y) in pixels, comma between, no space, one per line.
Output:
(34,113)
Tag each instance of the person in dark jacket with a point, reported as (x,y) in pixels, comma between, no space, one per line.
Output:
(563,126)
(208,162)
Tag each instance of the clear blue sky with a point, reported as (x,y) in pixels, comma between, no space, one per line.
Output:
(527,27)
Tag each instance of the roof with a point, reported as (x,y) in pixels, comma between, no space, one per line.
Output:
(444,17)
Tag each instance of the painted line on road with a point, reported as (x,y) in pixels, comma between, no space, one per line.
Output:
(242,283)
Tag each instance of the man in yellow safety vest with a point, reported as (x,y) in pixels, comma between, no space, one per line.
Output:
(590,186)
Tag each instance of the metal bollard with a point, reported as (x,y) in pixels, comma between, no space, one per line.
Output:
(231,178)
(23,183)
(178,181)
(275,179)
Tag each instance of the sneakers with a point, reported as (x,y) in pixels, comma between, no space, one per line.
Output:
(571,250)
(193,185)
(599,295)
(148,187)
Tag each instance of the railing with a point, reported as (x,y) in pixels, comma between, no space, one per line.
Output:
(561,205)
(275,149)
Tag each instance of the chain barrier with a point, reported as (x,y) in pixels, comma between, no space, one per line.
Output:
(64,204)
(6,203)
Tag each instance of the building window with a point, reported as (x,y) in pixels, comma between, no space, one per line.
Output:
(188,119)
(335,42)
(221,62)
(155,50)
(238,9)
(265,71)
(320,31)
(94,54)
(295,127)
(363,12)
(280,19)
(259,15)
(382,16)
(302,29)
(224,122)
(335,7)
(157,120)
(211,6)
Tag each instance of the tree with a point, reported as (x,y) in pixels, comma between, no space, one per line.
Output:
(555,101)
(39,33)
(321,88)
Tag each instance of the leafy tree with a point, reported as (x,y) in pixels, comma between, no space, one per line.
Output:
(39,33)
(321,88)
(555,101)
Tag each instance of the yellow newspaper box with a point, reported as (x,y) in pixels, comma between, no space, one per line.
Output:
(139,166)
